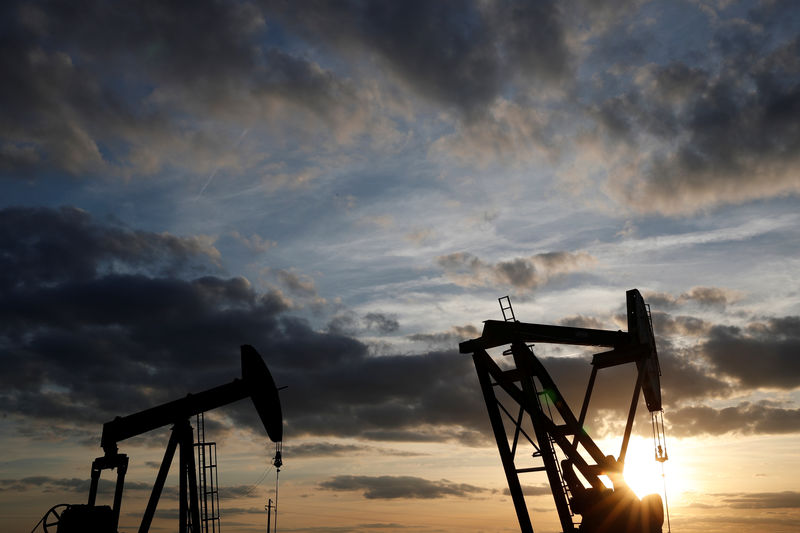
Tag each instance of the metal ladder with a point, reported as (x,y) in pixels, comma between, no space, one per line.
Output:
(505,307)
(208,482)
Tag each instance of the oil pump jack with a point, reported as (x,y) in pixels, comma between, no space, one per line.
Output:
(528,386)
(256,382)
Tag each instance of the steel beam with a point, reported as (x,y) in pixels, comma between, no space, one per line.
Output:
(482,367)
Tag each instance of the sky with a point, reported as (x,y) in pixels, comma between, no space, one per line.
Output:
(349,187)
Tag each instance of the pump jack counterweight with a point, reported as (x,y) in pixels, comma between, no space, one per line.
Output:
(602,510)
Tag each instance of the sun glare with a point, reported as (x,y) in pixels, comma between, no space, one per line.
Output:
(642,472)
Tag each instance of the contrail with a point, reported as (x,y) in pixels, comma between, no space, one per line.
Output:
(214,173)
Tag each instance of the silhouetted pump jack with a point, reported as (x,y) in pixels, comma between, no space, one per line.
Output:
(528,388)
(256,382)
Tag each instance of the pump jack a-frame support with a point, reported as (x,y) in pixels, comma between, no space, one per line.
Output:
(531,388)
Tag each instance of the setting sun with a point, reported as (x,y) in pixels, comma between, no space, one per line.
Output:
(643,473)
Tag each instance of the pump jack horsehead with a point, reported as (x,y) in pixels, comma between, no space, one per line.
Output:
(529,390)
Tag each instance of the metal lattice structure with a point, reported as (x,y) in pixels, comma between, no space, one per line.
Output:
(525,396)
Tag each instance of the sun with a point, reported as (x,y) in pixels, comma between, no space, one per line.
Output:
(643,473)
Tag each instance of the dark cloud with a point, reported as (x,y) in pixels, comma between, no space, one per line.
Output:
(322,449)
(683,380)
(763,523)
(459,54)
(408,487)
(726,129)
(107,332)
(721,362)
(95,322)
(466,332)
(686,377)
(124,325)
(61,109)
(51,484)
(381,322)
(181,40)
(718,297)
(395,397)
(438,339)
(668,325)
(532,490)
(74,105)
(243,510)
(711,296)
(448,338)
(237,491)
(762,355)
(332,449)
(762,500)
(745,419)
(524,273)
(344,323)
(580,321)
(56,104)
(48,247)
(660,300)
(135,88)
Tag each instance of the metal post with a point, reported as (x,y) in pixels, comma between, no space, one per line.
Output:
(585,406)
(191,471)
(268,509)
(506,457)
(522,355)
(631,415)
(158,486)
(183,497)
(122,468)
(95,480)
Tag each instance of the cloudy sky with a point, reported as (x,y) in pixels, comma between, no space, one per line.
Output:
(349,187)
